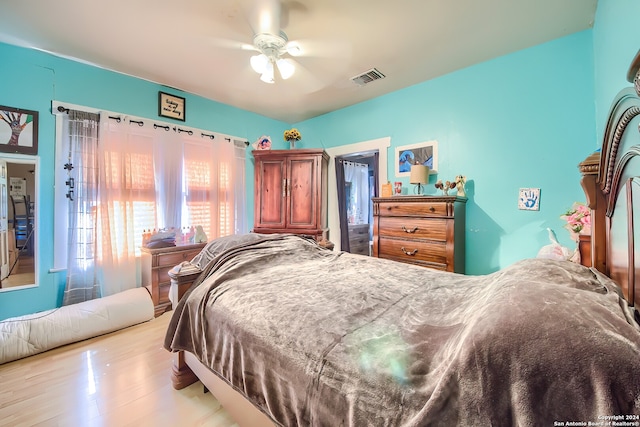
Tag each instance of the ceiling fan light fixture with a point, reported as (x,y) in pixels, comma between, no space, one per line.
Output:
(267,75)
(286,68)
(259,63)
(271,48)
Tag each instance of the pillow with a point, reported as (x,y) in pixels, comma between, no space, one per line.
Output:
(221,244)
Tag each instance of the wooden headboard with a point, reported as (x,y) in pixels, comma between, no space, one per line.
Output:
(611,180)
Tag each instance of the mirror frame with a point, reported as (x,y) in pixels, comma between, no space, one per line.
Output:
(35,161)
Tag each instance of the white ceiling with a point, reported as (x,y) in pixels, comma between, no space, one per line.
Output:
(195,45)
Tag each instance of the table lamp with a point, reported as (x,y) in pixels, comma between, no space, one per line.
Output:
(419,175)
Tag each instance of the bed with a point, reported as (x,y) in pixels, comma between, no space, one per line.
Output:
(285,332)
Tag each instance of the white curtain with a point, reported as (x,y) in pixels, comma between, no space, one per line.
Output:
(167,162)
(127,200)
(214,186)
(80,135)
(139,176)
(358,206)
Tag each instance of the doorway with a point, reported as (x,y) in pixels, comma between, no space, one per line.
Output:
(357,183)
(381,145)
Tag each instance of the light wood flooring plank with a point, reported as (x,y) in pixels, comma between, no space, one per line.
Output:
(118,379)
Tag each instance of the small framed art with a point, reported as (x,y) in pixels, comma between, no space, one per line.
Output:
(529,199)
(171,106)
(18,130)
(422,153)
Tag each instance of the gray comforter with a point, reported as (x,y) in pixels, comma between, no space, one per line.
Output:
(320,338)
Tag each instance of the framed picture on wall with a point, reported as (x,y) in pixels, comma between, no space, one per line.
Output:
(18,130)
(171,106)
(422,153)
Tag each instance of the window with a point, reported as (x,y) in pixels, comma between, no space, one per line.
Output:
(152,178)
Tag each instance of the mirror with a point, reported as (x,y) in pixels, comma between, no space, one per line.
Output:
(17,222)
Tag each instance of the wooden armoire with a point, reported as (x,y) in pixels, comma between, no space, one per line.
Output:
(290,192)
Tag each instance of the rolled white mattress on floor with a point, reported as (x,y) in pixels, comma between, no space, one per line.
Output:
(34,333)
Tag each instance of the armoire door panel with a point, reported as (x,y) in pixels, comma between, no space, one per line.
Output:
(272,176)
(302,193)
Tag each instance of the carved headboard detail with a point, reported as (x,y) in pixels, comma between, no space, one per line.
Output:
(611,182)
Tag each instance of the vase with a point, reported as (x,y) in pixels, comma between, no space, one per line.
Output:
(292,144)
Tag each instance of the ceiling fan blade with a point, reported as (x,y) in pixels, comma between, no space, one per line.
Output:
(225,43)
(319,48)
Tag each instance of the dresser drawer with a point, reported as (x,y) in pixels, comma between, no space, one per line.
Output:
(415,252)
(421,210)
(156,264)
(413,228)
(175,258)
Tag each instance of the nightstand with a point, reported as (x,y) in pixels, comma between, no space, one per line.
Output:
(156,264)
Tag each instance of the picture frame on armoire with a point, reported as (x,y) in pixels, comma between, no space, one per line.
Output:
(18,130)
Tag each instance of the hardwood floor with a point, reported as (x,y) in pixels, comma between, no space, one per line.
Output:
(118,379)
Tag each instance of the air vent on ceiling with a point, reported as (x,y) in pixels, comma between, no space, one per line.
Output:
(367,77)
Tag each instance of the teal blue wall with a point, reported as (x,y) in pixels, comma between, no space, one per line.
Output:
(616,40)
(31,79)
(522,120)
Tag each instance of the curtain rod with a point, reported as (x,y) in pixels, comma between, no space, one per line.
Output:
(63,109)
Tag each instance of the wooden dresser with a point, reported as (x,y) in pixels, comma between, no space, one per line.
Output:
(423,230)
(290,192)
(156,264)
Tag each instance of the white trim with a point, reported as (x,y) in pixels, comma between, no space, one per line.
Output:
(380,144)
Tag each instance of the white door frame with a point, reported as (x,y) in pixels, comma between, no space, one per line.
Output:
(333,217)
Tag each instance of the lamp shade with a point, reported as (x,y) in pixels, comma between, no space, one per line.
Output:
(419,174)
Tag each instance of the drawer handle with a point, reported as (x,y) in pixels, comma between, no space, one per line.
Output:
(406,230)
(432,209)
(412,253)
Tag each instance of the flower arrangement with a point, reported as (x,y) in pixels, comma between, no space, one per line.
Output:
(448,185)
(578,220)
(292,135)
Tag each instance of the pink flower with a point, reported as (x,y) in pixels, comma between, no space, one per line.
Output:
(578,219)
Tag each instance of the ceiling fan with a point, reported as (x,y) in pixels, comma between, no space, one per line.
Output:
(275,51)
(272,48)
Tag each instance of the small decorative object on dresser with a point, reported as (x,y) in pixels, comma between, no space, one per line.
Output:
(387,190)
(419,176)
(397,188)
(445,187)
(460,183)
(423,230)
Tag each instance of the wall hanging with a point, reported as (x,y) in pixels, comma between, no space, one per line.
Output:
(18,130)
(171,106)
(422,153)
